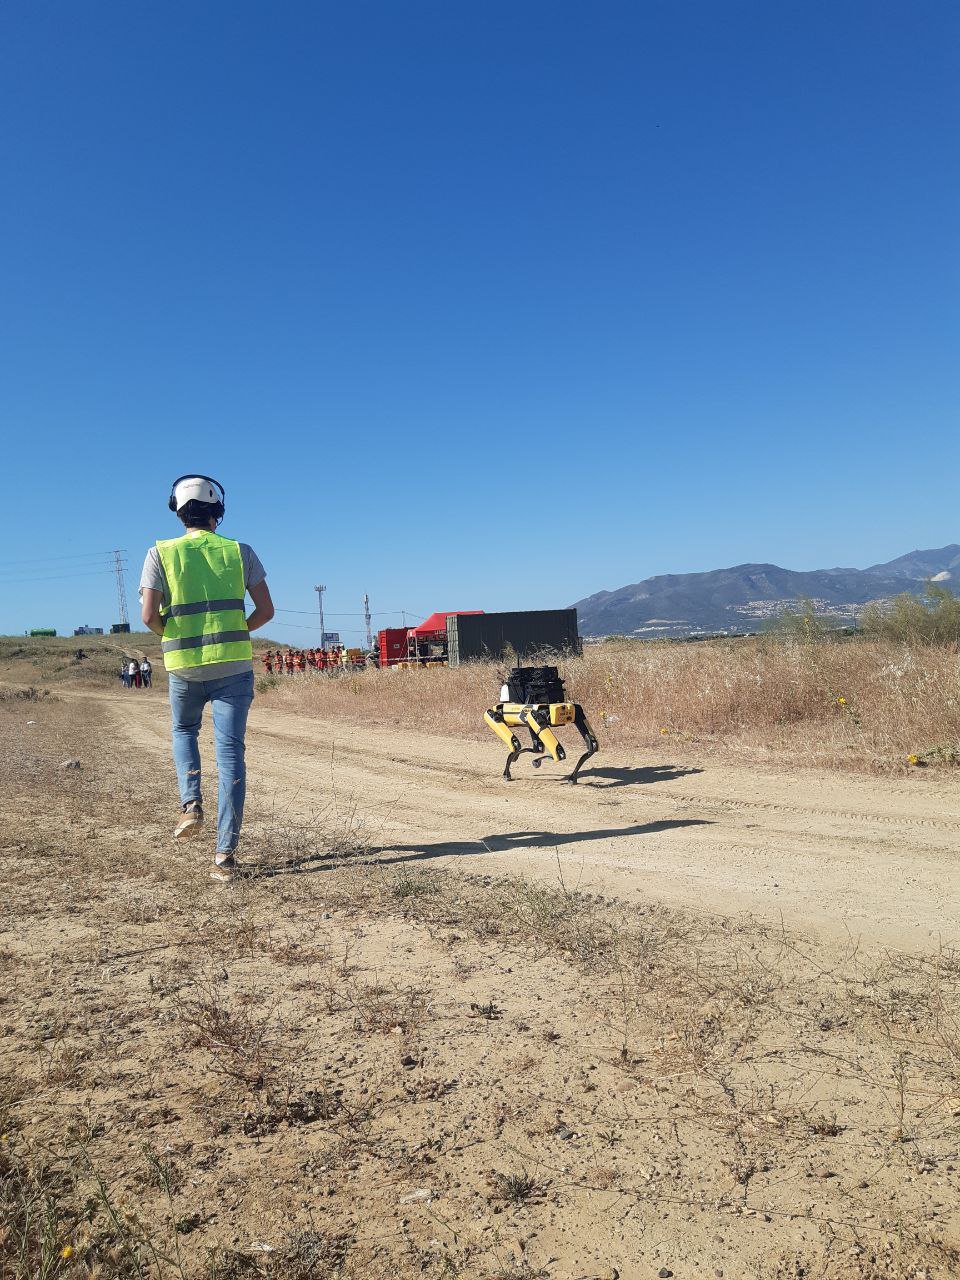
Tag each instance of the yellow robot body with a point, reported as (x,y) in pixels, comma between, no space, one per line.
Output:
(539,718)
(559,712)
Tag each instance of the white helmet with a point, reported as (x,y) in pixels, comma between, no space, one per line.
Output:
(196,489)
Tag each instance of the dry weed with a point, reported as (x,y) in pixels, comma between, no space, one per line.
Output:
(242,1042)
(376,1032)
(867,704)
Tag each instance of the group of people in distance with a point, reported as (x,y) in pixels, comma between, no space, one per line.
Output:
(136,675)
(291,661)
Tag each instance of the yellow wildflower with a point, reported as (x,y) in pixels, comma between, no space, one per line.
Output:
(913,759)
(664,730)
(66,1251)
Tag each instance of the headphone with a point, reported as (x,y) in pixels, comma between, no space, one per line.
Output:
(218,507)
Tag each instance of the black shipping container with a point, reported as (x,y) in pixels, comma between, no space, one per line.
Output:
(527,633)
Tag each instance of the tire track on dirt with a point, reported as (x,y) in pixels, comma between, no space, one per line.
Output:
(705,836)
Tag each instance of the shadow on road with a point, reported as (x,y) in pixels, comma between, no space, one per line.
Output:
(503,843)
(636,777)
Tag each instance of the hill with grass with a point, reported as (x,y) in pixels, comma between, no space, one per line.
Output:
(56,660)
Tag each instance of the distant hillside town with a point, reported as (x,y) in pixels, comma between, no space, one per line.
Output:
(748,597)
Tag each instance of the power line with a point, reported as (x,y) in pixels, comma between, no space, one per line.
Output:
(380,613)
(21,571)
(60,571)
(55,577)
(308,613)
(302,626)
(79,555)
(297,626)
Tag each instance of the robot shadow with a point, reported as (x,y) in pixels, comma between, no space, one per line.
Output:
(639,777)
(505,842)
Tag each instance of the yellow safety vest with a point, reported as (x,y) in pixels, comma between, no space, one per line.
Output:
(205,621)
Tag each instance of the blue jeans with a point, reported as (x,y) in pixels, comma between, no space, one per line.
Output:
(230,699)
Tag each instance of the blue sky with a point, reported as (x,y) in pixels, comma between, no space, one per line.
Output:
(484,306)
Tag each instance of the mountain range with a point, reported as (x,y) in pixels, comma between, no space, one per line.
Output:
(746,596)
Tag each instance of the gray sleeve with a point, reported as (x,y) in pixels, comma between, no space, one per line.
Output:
(253,571)
(153,576)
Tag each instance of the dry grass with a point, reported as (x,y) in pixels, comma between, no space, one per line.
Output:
(51,660)
(858,703)
(354,1069)
(870,704)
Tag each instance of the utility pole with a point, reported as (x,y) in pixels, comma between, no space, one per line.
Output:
(121,590)
(366,618)
(320,591)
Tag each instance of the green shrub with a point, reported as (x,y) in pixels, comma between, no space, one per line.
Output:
(933,618)
(804,624)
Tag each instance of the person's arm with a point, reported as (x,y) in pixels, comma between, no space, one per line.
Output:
(263,606)
(150,601)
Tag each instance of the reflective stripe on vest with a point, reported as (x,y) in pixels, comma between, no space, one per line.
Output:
(203,606)
(194,642)
(205,621)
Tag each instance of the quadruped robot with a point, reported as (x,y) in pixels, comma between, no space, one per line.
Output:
(535,697)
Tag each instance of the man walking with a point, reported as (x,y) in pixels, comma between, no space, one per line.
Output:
(192,595)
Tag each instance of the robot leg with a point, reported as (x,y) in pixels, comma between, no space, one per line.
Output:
(495,720)
(581,722)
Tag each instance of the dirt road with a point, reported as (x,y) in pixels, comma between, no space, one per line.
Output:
(843,855)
